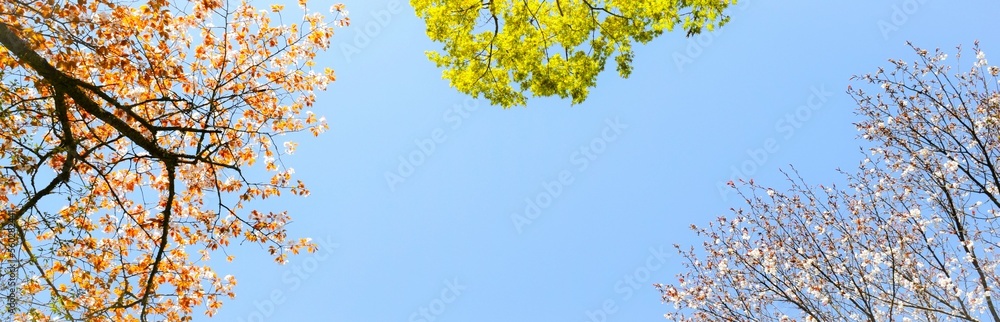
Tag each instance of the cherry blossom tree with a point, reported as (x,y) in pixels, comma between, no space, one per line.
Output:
(911,236)
(134,137)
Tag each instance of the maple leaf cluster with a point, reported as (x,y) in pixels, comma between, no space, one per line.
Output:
(130,134)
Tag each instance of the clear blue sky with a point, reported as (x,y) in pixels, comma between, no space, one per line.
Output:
(679,132)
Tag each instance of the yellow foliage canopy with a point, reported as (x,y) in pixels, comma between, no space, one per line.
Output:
(502,49)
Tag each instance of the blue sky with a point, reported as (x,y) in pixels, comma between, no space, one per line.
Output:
(766,91)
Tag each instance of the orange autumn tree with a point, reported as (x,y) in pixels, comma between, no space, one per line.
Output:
(134,136)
